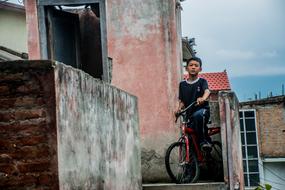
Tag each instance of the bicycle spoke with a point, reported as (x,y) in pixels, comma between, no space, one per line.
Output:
(177,167)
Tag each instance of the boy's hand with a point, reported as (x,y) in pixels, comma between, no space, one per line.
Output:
(177,112)
(200,101)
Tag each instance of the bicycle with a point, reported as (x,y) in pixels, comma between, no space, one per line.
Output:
(184,158)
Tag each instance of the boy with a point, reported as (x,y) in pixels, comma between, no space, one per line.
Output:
(196,89)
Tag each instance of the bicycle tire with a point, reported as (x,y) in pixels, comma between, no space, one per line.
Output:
(177,168)
(215,163)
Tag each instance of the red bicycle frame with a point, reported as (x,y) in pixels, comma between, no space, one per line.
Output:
(186,131)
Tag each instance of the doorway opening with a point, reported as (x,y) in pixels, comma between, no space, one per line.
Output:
(74,35)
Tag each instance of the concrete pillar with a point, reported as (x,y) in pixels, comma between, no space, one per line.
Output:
(231,143)
(32,29)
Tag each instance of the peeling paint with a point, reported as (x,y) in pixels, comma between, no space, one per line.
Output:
(98,135)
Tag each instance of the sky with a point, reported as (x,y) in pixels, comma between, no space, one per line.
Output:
(245,37)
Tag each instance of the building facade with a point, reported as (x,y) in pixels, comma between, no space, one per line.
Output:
(13,33)
(262,135)
(141,50)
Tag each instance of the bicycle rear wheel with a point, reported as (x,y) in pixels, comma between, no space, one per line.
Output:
(215,162)
(177,168)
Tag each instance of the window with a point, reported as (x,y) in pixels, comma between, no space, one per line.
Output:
(249,148)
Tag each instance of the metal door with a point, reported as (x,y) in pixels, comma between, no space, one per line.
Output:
(63,37)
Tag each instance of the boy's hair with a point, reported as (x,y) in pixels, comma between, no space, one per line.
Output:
(194,59)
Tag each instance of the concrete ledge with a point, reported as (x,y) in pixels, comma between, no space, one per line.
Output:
(20,65)
(192,186)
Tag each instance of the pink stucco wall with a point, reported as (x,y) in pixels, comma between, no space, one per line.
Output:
(33,29)
(144,42)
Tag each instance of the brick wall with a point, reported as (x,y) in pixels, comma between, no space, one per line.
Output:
(62,129)
(27,131)
(271,130)
(270,122)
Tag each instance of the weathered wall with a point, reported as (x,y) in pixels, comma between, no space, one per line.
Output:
(144,42)
(28,158)
(270,123)
(33,29)
(13,33)
(61,128)
(98,134)
(231,140)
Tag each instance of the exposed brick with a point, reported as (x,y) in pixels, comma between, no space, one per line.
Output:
(6,77)
(26,101)
(46,179)
(34,167)
(6,103)
(32,87)
(6,116)
(23,130)
(9,169)
(270,121)
(31,140)
(29,152)
(23,141)
(22,180)
(29,114)
(33,121)
(29,101)
(4,159)
(4,143)
(4,89)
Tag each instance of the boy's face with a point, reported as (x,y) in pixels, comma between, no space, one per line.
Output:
(193,68)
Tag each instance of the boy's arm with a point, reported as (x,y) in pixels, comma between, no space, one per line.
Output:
(180,103)
(180,106)
(205,96)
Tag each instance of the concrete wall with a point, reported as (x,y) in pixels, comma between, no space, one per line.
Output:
(145,44)
(13,33)
(270,123)
(61,128)
(98,134)
(274,173)
(231,140)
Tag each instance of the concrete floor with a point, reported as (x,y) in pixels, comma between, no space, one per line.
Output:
(193,186)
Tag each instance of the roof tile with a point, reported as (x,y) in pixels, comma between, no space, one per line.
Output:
(217,81)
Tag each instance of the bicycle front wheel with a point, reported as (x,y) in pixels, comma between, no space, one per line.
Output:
(177,168)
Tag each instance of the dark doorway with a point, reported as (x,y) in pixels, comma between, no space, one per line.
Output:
(91,54)
(63,37)
(75,34)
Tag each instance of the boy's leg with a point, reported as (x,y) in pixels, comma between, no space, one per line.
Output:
(200,119)
(206,120)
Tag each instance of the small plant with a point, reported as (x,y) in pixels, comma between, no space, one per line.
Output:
(266,187)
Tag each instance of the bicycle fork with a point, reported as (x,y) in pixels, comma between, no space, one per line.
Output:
(186,158)
(184,154)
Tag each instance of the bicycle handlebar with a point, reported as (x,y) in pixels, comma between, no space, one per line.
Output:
(193,104)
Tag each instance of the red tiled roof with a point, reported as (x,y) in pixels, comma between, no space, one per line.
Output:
(216,81)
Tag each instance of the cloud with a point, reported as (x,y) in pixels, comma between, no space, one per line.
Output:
(236,54)
(270,54)
(255,69)
(244,37)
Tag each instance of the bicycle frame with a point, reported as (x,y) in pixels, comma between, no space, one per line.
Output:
(190,157)
(186,131)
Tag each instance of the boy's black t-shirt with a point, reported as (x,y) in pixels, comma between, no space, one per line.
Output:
(189,92)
